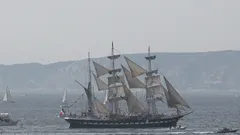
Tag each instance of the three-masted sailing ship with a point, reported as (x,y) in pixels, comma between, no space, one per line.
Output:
(109,114)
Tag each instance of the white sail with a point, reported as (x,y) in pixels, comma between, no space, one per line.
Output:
(135,69)
(134,106)
(64,100)
(100,84)
(7,97)
(174,98)
(132,81)
(100,70)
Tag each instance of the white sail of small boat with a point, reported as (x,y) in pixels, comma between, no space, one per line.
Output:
(64,100)
(8,97)
(64,107)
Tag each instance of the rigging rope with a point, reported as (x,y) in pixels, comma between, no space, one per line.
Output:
(77,100)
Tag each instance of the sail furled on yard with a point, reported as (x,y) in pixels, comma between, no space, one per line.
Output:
(174,98)
(132,81)
(135,69)
(100,70)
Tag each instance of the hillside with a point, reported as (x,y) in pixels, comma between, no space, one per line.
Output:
(209,70)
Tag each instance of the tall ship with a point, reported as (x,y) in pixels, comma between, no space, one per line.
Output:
(121,107)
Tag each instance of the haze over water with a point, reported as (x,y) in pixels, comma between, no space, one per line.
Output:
(38,115)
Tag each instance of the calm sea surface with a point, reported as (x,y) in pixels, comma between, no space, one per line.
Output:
(38,115)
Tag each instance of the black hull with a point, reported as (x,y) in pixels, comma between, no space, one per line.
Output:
(231,131)
(151,123)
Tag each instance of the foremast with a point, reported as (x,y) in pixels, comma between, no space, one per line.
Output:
(95,107)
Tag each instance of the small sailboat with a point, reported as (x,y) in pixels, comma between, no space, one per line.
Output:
(227,130)
(179,127)
(64,106)
(8,97)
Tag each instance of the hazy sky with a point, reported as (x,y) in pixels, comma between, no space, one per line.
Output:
(55,30)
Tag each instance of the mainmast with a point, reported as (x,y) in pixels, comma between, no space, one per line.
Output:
(152,81)
(113,75)
(115,103)
(149,60)
(116,89)
(150,94)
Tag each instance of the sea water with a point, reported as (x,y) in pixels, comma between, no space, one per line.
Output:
(38,114)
